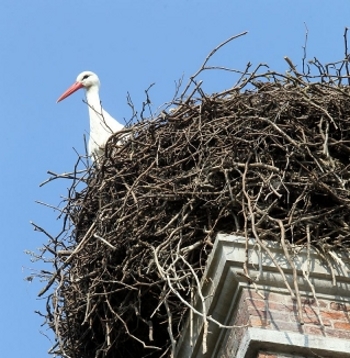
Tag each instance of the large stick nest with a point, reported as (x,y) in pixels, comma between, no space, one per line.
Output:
(268,159)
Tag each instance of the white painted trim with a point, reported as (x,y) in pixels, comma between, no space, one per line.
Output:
(257,339)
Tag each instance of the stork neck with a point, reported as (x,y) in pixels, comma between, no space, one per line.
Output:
(93,98)
(96,114)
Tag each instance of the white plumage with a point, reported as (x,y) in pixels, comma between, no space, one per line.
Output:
(102,124)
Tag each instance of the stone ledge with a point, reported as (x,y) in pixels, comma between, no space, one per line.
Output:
(257,339)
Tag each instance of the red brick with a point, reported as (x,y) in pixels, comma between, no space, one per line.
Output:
(284,316)
(242,316)
(312,302)
(278,355)
(260,313)
(313,319)
(277,297)
(281,306)
(257,304)
(259,322)
(329,332)
(252,294)
(335,315)
(315,330)
(266,355)
(336,306)
(286,326)
(260,304)
(337,333)
(342,325)
(311,315)
(309,310)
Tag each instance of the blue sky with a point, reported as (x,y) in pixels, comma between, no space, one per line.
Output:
(129,44)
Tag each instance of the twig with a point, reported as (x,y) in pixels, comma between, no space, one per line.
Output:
(104,241)
(208,58)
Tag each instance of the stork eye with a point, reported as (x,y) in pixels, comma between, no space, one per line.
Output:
(85,77)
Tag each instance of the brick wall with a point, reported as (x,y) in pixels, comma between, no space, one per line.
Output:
(278,312)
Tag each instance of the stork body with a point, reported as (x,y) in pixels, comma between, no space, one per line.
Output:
(102,124)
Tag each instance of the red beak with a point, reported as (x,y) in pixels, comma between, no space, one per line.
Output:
(74,87)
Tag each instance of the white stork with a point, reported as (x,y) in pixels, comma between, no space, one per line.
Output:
(102,124)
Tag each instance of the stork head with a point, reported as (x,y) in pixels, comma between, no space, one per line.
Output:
(86,79)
